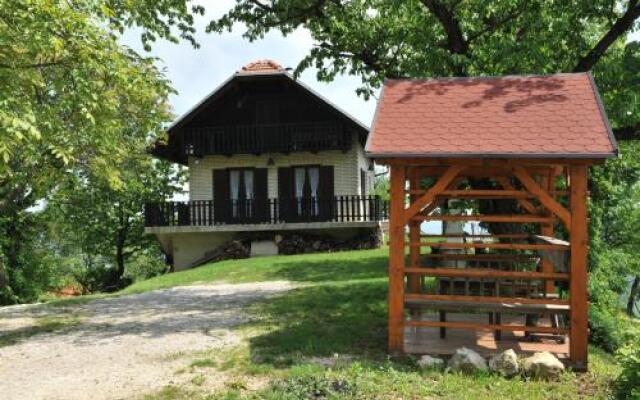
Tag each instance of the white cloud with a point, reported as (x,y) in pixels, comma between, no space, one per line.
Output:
(196,72)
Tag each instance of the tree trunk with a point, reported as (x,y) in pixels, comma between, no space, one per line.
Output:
(6,294)
(120,260)
(633,295)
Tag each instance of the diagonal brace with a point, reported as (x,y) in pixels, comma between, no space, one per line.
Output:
(442,183)
(543,196)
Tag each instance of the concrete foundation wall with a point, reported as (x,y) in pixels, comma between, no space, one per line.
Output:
(186,248)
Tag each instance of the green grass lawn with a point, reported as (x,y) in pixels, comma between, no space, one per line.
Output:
(306,268)
(340,308)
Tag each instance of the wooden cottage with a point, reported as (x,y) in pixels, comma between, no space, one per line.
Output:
(266,155)
(510,152)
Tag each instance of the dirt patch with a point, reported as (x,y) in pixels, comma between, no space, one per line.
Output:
(122,347)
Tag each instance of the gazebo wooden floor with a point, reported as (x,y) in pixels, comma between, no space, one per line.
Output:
(427,340)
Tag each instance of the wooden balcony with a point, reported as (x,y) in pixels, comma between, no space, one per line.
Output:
(259,139)
(266,211)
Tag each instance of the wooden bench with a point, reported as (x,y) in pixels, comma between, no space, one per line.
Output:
(495,310)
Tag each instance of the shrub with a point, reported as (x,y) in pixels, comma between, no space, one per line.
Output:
(629,380)
(312,387)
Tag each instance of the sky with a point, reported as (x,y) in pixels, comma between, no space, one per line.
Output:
(196,72)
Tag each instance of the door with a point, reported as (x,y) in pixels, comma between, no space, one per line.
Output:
(240,195)
(305,193)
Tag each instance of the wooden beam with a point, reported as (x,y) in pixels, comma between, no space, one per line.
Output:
(478,235)
(483,257)
(486,273)
(475,172)
(480,194)
(497,246)
(490,327)
(439,201)
(543,196)
(413,281)
(547,181)
(430,195)
(516,218)
(484,299)
(578,269)
(396,258)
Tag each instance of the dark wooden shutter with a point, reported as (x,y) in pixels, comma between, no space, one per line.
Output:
(261,195)
(221,199)
(285,194)
(326,192)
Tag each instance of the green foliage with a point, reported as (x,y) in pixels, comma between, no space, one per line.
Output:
(74,104)
(312,387)
(381,186)
(629,381)
(614,227)
(108,222)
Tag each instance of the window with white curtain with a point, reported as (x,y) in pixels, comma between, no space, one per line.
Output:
(241,187)
(248,190)
(234,187)
(306,182)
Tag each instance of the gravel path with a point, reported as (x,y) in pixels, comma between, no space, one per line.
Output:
(121,347)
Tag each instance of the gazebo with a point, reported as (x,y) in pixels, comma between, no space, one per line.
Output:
(513,154)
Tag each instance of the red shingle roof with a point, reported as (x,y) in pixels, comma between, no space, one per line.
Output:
(262,66)
(527,116)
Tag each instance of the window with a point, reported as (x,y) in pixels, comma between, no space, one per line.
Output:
(241,187)
(363,182)
(306,181)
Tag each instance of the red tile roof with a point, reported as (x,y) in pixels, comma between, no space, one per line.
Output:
(262,66)
(527,116)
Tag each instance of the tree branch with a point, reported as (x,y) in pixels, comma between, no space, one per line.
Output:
(492,26)
(456,42)
(619,28)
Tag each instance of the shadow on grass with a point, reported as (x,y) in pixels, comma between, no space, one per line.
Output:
(321,320)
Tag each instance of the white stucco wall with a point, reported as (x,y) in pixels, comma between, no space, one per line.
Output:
(364,163)
(347,167)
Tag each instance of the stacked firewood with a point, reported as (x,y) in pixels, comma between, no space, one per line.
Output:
(299,243)
(233,249)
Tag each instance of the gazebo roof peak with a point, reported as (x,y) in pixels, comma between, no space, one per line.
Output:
(535,116)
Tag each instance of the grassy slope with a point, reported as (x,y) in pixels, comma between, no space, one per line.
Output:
(309,268)
(341,308)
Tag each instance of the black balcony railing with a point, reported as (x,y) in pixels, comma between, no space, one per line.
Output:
(266,211)
(273,138)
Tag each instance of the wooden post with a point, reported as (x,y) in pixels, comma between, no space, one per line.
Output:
(396,258)
(578,281)
(413,280)
(548,183)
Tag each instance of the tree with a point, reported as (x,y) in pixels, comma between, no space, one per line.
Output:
(67,89)
(109,221)
(378,39)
